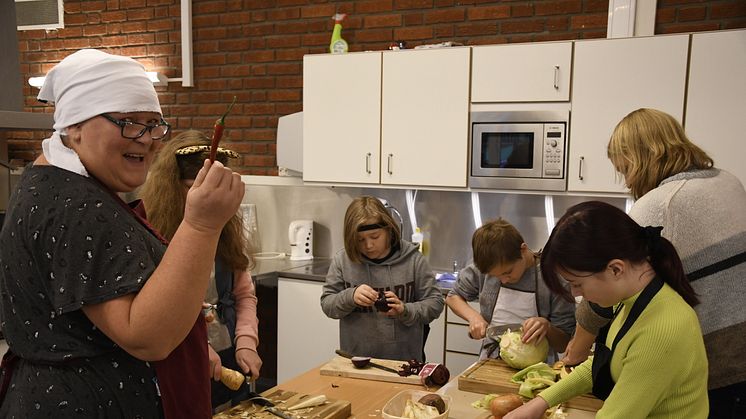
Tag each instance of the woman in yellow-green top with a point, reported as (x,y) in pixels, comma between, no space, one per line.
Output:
(650,361)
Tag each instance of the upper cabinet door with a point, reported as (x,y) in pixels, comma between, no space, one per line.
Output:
(342,117)
(612,78)
(716,100)
(425,117)
(521,73)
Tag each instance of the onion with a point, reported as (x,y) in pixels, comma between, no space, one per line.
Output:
(501,405)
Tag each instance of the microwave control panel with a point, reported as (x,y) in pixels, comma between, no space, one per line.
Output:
(554,150)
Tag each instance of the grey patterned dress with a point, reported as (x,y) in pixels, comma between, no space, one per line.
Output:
(66,242)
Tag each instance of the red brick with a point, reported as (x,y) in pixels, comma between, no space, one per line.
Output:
(407,34)
(77,43)
(688,14)
(48,45)
(413,18)
(558,7)
(208,7)
(446,15)
(521,10)
(70,32)
(259,30)
(316,39)
(476,29)
(413,4)
(589,21)
(205,21)
(113,41)
(688,27)
(161,25)
(259,56)
(141,38)
(258,108)
(595,6)
(318,10)
(730,9)
(382,21)
(285,41)
(523,26)
(235,18)
(129,4)
(282,3)
(556,24)
(139,14)
(446,3)
(234,44)
(132,51)
(259,83)
(283,68)
(555,36)
(290,54)
(666,15)
(282,14)
(92,6)
(488,12)
(373,6)
(136,26)
(284,95)
(73,20)
(207,72)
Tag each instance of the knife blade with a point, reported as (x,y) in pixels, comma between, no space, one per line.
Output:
(268,405)
(371,363)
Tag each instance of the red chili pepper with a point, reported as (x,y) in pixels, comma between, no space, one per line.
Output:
(217,134)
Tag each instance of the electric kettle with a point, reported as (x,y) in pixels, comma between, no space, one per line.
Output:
(300,234)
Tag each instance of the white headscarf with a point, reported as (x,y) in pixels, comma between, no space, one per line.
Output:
(88,83)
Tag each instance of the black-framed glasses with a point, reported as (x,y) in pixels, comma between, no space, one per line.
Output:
(134,130)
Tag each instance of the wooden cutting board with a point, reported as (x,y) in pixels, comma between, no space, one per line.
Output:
(332,409)
(493,376)
(342,367)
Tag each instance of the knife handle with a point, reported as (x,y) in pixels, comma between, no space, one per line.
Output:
(343,353)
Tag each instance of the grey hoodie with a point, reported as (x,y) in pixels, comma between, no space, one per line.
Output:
(365,332)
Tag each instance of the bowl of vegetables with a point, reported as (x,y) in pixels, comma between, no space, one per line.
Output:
(417,404)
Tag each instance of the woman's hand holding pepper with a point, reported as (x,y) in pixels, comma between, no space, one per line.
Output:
(214,197)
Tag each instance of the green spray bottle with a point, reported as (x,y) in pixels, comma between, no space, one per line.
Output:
(338,45)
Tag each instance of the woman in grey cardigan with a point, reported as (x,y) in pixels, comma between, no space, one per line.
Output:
(703,213)
(380,287)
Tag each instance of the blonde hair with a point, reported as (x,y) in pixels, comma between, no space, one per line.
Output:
(164,196)
(366,210)
(495,243)
(648,146)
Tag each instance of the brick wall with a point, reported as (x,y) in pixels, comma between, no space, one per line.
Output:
(253,49)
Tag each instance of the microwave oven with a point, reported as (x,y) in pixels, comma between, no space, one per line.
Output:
(519,150)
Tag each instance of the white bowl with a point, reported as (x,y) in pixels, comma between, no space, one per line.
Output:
(394,408)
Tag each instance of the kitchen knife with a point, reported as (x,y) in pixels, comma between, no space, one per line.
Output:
(371,363)
(268,405)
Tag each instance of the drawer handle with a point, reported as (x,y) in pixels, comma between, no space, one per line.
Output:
(556,77)
(580,168)
(367,163)
(388,168)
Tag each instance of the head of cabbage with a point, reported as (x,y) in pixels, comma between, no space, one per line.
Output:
(521,355)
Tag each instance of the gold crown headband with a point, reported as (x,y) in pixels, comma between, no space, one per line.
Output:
(194,149)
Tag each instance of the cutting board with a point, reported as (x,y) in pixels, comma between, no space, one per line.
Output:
(332,409)
(493,376)
(342,367)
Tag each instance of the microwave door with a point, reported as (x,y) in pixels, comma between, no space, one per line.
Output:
(507,150)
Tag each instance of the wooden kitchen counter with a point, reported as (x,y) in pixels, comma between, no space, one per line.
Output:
(368,397)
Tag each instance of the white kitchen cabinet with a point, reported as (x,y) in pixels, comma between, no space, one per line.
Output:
(434,346)
(397,118)
(342,117)
(425,117)
(306,337)
(612,77)
(461,350)
(716,98)
(537,72)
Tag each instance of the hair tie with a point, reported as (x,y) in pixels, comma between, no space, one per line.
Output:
(652,238)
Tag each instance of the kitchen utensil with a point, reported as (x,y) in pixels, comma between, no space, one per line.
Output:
(268,405)
(372,364)
(300,234)
(494,332)
(342,367)
(493,376)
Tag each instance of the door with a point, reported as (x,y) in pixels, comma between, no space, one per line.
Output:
(611,78)
(521,72)
(716,99)
(342,117)
(425,117)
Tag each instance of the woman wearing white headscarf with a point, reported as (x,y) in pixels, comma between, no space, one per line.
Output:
(97,312)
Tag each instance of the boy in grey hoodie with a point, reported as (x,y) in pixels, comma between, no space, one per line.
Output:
(377,263)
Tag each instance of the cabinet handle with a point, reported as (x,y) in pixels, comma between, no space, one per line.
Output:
(367,163)
(556,77)
(580,168)
(388,168)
